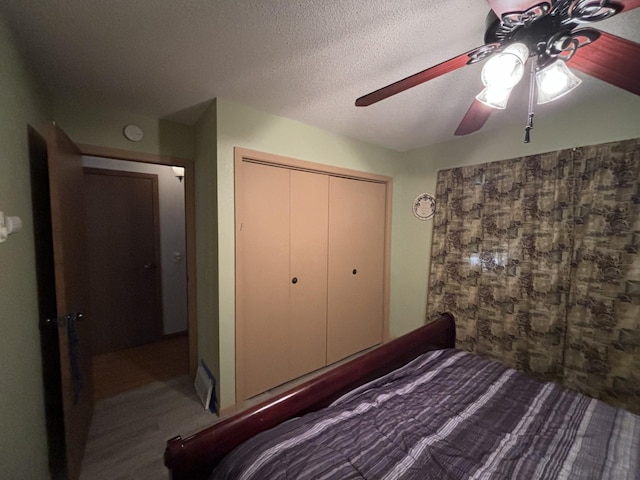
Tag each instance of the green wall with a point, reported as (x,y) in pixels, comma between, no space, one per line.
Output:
(616,118)
(23,445)
(207,240)
(224,126)
(23,442)
(413,172)
(241,126)
(101,125)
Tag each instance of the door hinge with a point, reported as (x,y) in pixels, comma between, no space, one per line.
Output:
(63,320)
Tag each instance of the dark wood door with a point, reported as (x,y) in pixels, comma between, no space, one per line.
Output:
(72,303)
(123,252)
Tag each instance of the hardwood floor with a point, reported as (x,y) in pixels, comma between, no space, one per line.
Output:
(144,396)
(124,370)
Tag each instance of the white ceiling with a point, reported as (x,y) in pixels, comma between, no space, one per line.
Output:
(303,59)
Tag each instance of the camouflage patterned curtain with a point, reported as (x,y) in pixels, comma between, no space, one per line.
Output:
(537,257)
(602,357)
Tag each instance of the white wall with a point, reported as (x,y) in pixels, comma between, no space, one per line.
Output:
(172,237)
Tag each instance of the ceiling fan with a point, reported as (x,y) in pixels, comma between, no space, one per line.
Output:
(549,34)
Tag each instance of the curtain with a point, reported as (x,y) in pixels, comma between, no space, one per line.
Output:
(603,319)
(537,257)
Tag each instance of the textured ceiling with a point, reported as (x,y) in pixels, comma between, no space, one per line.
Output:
(303,59)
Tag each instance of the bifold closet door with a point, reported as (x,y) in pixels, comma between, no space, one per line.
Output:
(281,303)
(264,295)
(309,206)
(357,217)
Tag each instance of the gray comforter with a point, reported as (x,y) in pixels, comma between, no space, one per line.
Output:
(448,415)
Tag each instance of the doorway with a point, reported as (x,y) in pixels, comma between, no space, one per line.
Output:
(59,226)
(176,262)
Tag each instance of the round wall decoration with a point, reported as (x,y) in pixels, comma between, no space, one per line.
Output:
(424,206)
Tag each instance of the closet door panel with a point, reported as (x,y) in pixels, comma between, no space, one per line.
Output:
(357,211)
(308,296)
(264,301)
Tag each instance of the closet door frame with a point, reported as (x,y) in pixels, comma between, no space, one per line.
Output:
(242,155)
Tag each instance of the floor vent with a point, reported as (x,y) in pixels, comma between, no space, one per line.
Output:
(205,385)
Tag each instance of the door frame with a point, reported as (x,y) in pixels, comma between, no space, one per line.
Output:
(190,226)
(242,155)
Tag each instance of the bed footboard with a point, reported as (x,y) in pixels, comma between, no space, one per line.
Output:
(196,456)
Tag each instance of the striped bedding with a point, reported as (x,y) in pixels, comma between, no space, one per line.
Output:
(448,415)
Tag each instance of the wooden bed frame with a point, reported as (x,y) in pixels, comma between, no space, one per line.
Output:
(196,456)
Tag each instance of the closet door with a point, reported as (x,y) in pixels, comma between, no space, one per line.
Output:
(308,295)
(263,299)
(357,218)
(282,301)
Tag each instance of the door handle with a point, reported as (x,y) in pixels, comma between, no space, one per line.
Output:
(149,266)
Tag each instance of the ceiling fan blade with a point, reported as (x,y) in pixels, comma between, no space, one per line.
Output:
(612,59)
(505,6)
(474,119)
(414,80)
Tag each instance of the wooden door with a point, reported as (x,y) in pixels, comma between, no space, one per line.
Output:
(262,307)
(123,258)
(357,220)
(68,234)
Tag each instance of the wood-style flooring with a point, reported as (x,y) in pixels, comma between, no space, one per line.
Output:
(124,370)
(130,428)
(129,431)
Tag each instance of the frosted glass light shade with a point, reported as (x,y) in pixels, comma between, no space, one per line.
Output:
(555,81)
(494,97)
(506,68)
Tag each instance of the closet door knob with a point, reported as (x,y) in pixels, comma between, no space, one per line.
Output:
(354,271)
(294,280)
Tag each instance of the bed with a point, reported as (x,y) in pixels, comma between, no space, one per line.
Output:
(417,408)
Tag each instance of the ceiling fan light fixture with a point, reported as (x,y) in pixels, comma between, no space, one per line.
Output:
(555,81)
(505,69)
(494,97)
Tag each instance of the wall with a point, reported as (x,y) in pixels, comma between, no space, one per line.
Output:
(207,240)
(241,126)
(172,238)
(617,118)
(100,125)
(23,443)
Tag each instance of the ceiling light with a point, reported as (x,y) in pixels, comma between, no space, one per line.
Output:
(506,68)
(501,73)
(178,172)
(554,81)
(494,97)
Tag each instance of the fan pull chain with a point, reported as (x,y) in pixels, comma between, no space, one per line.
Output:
(532,97)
